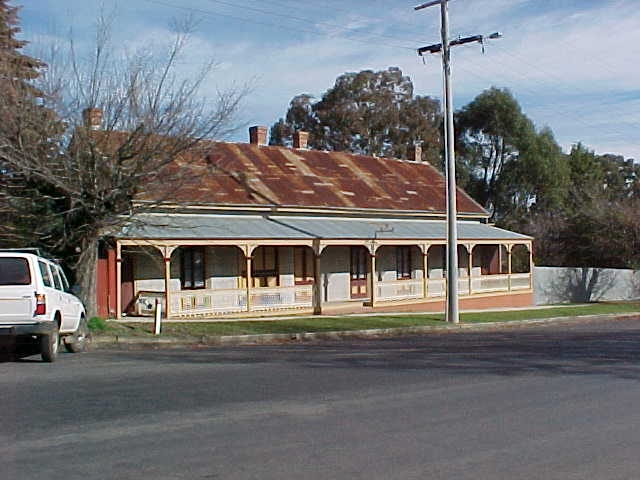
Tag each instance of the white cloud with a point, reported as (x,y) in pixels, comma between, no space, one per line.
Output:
(570,63)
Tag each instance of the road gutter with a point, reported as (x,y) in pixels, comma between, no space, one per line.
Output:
(111,341)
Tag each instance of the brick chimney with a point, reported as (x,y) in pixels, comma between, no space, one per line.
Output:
(414,152)
(300,139)
(92,118)
(258,135)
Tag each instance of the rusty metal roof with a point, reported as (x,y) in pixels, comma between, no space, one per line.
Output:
(238,174)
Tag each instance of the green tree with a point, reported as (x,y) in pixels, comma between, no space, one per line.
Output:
(16,69)
(505,164)
(23,121)
(597,224)
(604,233)
(372,113)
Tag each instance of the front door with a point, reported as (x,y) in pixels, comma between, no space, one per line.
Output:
(359,269)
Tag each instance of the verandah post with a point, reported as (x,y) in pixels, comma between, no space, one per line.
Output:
(317,283)
(118,280)
(248,252)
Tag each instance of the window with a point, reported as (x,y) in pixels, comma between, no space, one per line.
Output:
(403,263)
(56,278)
(264,267)
(359,266)
(65,282)
(46,275)
(192,268)
(14,271)
(359,270)
(303,265)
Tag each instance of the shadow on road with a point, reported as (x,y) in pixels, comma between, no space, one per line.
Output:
(10,351)
(611,349)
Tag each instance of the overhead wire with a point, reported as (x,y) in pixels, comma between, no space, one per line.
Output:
(559,80)
(271,24)
(568,113)
(309,21)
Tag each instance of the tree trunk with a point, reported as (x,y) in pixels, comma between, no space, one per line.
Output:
(86,275)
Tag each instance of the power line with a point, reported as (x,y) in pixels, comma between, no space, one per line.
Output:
(560,80)
(307,20)
(565,113)
(354,31)
(271,24)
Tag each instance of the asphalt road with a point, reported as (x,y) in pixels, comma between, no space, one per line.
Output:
(559,402)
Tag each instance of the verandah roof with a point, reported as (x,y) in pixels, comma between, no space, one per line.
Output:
(278,227)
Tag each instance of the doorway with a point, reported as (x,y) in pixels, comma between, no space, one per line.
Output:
(359,272)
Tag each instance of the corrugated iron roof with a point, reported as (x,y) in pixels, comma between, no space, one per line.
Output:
(252,175)
(214,226)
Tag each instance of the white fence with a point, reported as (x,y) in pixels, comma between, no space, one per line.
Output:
(215,302)
(399,290)
(491,283)
(520,281)
(208,302)
(279,298)
(553,285)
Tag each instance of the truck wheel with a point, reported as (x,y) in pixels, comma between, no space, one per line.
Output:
(49,346)
(79,341)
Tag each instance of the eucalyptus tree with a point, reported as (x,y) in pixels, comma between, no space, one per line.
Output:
(371,113)
(506,164)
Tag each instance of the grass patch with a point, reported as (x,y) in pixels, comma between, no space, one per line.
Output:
(345,323)
(560,311)
(297,325)
(97,324)
(106,327)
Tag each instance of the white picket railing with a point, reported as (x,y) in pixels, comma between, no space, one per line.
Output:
(203,302)
(399,289)
(216,302)
(436,287)
(463,285)
(277,298)
(491,283)
(520,281)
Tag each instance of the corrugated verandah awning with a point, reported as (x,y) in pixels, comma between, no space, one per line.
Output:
(278,227)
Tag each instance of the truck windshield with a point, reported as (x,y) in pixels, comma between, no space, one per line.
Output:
(14,271)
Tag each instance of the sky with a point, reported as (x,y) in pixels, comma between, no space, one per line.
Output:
(573,65)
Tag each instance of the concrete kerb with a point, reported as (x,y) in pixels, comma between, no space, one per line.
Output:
(107,342)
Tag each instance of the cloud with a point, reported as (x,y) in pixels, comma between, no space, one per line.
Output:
(570,63)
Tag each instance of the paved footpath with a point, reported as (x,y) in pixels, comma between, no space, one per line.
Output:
(553,401)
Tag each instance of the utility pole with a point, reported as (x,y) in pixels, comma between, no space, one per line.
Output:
(452,313)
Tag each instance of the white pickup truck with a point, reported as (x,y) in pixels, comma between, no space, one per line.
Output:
(37,306)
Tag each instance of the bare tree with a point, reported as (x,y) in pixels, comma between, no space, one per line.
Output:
(76,177)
